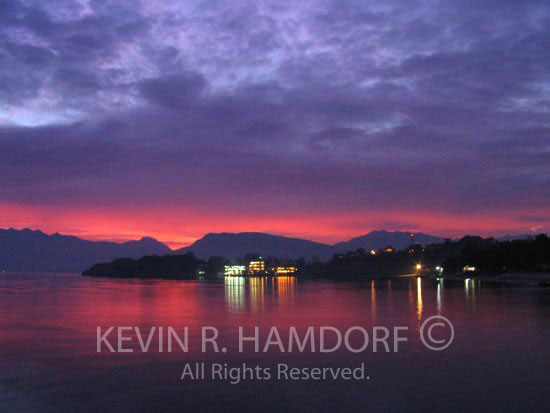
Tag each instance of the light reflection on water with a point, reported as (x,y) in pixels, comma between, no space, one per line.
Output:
(419,306)
(439,288)
(48,323)
(235,293)
(250,293)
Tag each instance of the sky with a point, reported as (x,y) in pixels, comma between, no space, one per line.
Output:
(316,119)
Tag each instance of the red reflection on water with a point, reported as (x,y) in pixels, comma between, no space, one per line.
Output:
(57,315)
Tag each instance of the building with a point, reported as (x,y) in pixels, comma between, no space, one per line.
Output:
(256,267)
(234,270)
(285,270)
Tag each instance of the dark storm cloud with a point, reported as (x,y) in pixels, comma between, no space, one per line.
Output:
(422,105)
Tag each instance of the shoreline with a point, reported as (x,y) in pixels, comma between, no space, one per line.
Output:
(515,278)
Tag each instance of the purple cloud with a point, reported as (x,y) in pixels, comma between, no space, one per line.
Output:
(321,106)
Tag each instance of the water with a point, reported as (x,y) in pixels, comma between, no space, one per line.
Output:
(499,358)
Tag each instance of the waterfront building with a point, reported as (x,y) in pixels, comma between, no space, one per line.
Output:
(285,270)
(234,270)
(256,267)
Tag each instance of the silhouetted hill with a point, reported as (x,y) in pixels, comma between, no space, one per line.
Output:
(381,239)
(468,256)
(234,245)
(168,266)
(34,251)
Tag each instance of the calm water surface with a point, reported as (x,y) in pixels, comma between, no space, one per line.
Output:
(499,359)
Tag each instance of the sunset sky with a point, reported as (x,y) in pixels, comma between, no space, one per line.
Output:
(317,119)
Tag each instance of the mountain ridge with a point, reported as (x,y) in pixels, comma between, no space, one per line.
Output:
(233,245)
(396,239)
(28,250)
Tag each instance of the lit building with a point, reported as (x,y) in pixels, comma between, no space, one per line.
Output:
(372,252)
(256,267)
(469,268)
(285,270)
(234,270)
(389,249)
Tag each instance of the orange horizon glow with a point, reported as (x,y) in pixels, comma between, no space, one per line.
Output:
(180,228)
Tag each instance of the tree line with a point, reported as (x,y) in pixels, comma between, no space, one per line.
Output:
(486,255)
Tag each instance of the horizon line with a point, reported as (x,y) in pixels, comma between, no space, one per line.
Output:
(166,243)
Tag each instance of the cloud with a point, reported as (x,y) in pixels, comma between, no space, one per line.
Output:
(175,91)
(321,107)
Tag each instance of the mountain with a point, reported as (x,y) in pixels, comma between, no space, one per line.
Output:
(381,239)
(234,245)
(34,251)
